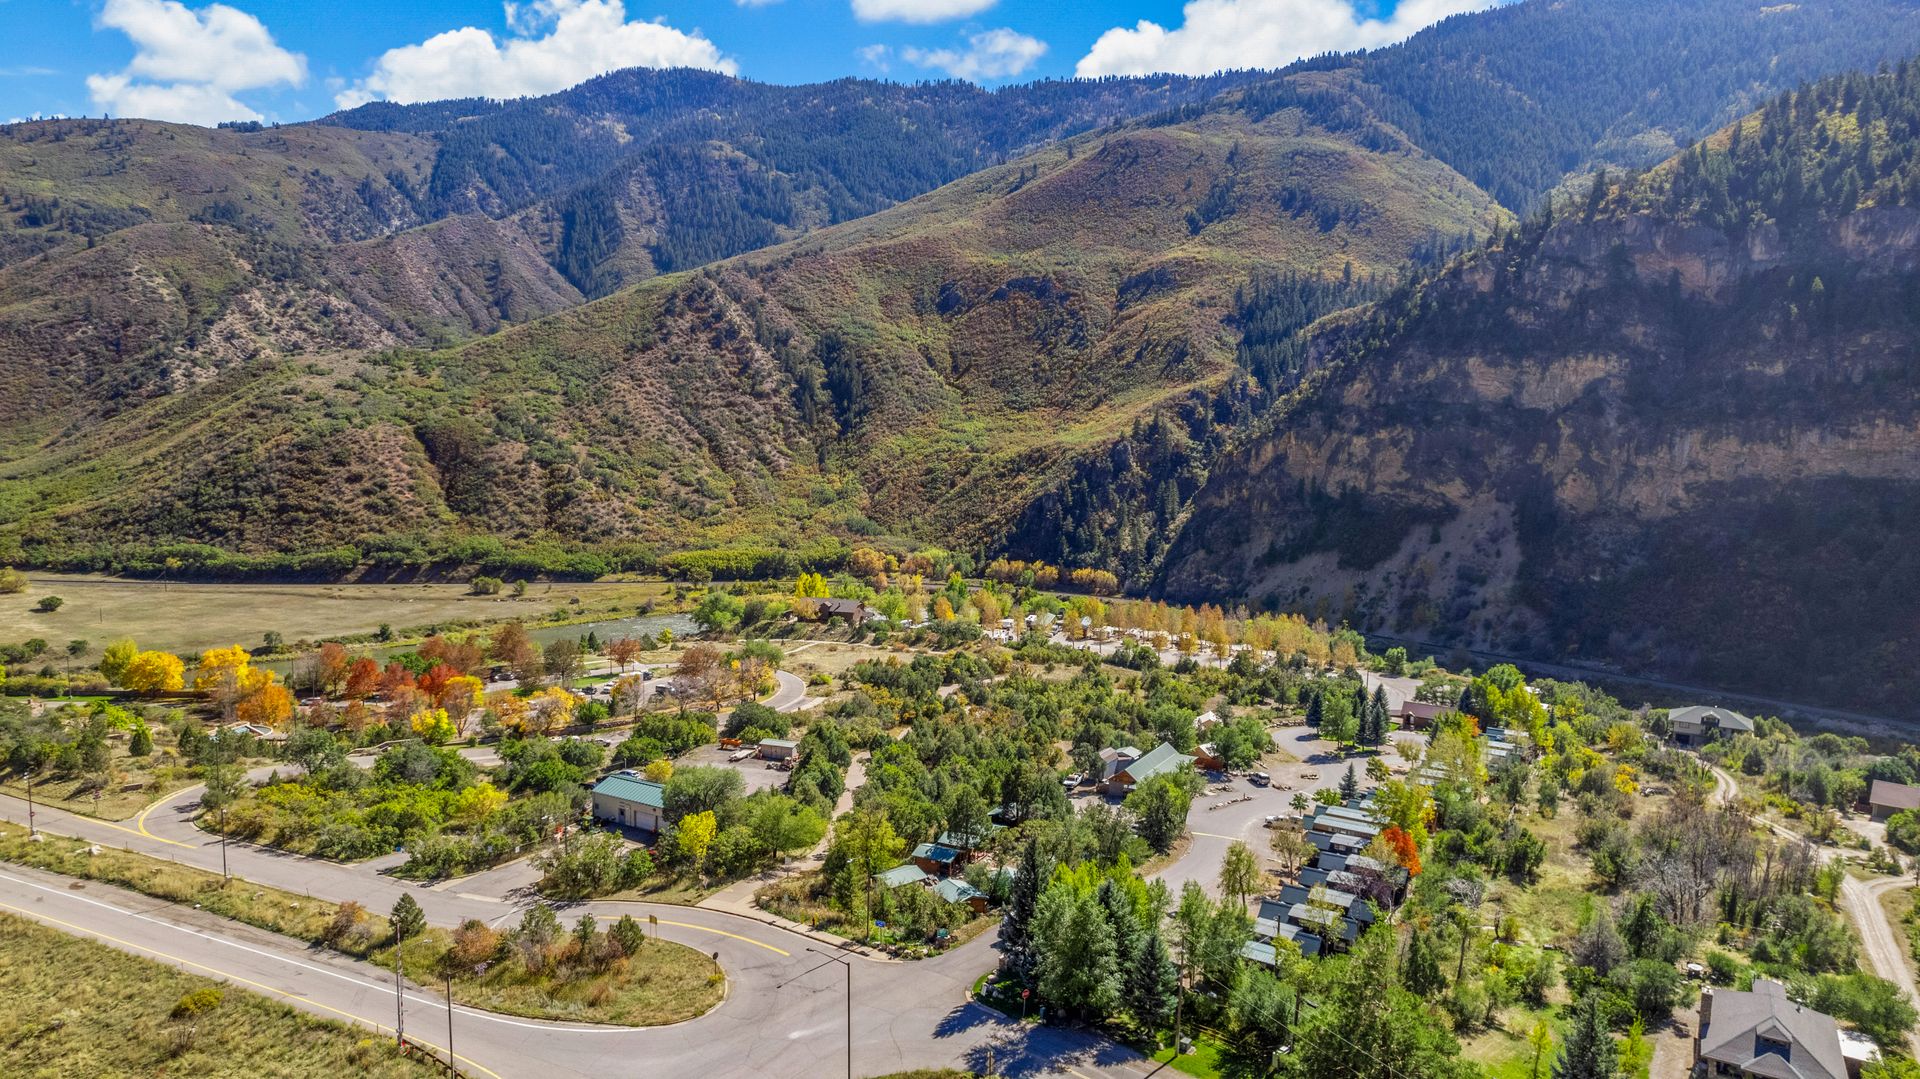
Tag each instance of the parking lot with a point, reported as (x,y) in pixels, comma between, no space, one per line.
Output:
(753,770)
(1243,807)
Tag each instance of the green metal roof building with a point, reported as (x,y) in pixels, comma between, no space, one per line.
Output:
(631,801)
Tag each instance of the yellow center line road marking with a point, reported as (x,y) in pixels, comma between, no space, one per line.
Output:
(378,1027)
(140,821)
(1216,835)
(724,933)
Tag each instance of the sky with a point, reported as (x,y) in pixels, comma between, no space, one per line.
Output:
(287,60)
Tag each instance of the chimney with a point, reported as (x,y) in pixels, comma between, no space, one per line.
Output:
(1706,1016)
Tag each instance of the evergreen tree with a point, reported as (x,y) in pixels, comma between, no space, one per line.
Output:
(1316,710)
(1023,898)
(1153,984)
(1421,972)
(1118,908)
(1379,718)
(1589,1051)
(1349,785)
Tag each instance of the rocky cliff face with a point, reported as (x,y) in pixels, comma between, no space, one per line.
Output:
(1632,440)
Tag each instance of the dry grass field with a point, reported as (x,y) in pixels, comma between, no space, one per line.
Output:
(71,1007)
(182,616)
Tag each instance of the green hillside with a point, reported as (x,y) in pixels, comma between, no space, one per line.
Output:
(929,370)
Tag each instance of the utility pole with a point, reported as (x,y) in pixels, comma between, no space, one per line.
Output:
(31,830)
(399,1001)
(450,1058)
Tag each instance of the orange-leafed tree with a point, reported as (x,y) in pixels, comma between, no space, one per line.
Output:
(363,678)
(1405,850)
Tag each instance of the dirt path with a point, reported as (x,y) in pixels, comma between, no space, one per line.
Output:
(1860,899)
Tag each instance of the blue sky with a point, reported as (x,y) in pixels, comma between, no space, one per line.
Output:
(201,62)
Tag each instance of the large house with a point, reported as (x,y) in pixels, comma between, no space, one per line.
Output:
(1765,1035)
(1699,724)
(854,611)
(1886,798)
(1419,715)
(630,800)
(1121,775)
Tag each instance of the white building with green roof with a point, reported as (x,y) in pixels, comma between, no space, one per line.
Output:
(630,800)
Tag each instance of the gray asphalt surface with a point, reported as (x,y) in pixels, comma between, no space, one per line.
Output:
(782,1017)
(785,1014)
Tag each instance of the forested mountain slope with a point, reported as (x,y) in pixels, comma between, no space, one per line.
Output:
(928,370)
(645,171)
(1673,430)
(1520,96)
(138,258)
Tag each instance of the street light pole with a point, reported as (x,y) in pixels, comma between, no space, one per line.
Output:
(450,1056)
(848,964)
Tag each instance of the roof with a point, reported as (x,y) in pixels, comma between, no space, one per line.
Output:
(1163,758)
(1423,709)
(842,606)
(1893,795)
(901,874)
(783,743)
(1258,952)
(1699,716)
(1205,719)
(956,891)
(1766,1033)
(631,787)
(958,842)
(934,852)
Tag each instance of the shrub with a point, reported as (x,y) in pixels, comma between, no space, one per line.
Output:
(49,604)
(197,1003)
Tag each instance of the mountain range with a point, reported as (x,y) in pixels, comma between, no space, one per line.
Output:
(1496,337)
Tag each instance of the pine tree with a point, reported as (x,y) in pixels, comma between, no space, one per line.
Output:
(1316,711)
(1378,718)
(1589,1051)
(1421,972)
(1349,785)
(1153,984)
(1023,898)
(1118,907)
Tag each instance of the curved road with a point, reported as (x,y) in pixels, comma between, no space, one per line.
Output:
(1861,900)
(786,1012)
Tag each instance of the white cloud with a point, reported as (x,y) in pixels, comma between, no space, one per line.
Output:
(188,64)
(917,10)
(582,38)
(879,57)
(990,54)
(1218,35)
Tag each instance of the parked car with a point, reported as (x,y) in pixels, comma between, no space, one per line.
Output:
(1259,779)
(1072,781)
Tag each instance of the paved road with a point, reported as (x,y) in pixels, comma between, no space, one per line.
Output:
(782,1018)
